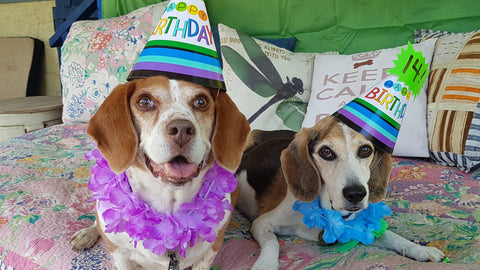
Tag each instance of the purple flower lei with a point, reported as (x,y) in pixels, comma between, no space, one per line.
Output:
(125,212)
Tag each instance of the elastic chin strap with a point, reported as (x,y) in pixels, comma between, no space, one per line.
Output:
(216,101)
(210,156)
(378,161)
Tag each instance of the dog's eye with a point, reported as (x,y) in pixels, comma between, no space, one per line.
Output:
(201,102)
(365,151)
(145,102)
(327,153)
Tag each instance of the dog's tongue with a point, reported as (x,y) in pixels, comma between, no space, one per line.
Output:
(174,169)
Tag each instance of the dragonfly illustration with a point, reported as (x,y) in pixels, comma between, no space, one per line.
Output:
(268,84)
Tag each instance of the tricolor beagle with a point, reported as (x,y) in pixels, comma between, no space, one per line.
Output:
(329,160)
(165,134)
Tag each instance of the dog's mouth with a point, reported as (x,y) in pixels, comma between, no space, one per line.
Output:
(353,209)
(178,171)
(350,212)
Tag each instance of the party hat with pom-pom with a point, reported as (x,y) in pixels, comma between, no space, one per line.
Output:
(379,113)
(182,47)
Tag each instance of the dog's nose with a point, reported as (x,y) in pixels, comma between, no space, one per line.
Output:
(354,194)
(181,131)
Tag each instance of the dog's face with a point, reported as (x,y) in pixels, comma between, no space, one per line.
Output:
(344,158)
(170,129)
(175,121)
(337,163)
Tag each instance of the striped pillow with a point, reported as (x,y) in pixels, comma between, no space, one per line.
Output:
(454,100)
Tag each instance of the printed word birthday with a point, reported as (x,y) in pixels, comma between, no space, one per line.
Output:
(389,98)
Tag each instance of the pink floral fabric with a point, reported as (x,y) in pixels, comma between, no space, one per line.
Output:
(44,200)
(98,55)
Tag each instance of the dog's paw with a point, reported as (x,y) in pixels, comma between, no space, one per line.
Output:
(84,238)
(425,254)
(264,267)
(262,264)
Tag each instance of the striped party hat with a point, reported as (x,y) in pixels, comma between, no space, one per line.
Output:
(182,47)
(379,113)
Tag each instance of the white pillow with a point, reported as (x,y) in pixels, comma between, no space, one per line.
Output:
(293,67)
(337,79)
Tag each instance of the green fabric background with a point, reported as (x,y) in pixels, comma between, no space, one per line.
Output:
(347,26)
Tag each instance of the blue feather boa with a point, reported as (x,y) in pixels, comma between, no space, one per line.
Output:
(361,229)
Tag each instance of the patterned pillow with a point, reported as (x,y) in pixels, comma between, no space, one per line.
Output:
(337,79)
(98,55)
(454,99)
(270,85)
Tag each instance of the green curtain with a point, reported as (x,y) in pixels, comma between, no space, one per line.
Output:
(347,26)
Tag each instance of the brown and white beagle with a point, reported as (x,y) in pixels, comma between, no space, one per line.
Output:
(165,134)
(329,160)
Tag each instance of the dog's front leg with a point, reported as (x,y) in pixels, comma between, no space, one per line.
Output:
(264,232)
(123,261)
(85,238)
(206,261)
(393,241)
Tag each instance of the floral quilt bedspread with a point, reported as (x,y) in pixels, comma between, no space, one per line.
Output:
(44,200)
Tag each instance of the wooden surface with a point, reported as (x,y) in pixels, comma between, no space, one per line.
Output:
(30,104)
(22,115)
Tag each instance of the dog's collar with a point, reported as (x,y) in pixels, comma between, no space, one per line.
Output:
(160,232)
(364,228)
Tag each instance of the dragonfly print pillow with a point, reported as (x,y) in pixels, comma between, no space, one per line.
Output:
(270,85)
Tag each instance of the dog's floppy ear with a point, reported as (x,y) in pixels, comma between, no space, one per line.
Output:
(379,176)
(230,134)
(112,128)
(299,169)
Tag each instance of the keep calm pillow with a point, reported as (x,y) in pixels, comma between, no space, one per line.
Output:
(98,55)
(272,92)
(337,79)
